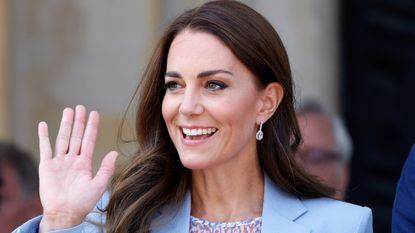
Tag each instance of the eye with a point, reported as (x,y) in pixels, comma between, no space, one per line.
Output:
(214,85)
(172,85)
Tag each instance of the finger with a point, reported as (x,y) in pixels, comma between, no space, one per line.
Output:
(45,149)
(106,170)
(64,134)
(89,139)
(78,130)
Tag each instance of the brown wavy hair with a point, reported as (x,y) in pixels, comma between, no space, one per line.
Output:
(155,176)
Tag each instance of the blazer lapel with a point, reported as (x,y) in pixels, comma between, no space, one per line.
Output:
(280,210)
(173,219)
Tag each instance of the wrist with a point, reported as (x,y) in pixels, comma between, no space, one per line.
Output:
(60,221)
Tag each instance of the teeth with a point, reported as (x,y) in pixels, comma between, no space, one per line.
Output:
(197,132)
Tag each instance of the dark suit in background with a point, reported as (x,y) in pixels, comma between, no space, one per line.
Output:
(403,214)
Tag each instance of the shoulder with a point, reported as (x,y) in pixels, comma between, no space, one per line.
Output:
(318,215)
(408,171)
(329,204)
(336,216)
(402,216)
(406,188)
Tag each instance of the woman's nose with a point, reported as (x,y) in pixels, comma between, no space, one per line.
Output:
(191,104)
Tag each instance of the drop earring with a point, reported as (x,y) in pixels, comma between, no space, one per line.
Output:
(260,135)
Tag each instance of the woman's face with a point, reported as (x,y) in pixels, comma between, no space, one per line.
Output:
(211,102)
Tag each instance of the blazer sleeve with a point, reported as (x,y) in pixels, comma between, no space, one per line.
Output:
(93,222)
(403,212)
(366,222)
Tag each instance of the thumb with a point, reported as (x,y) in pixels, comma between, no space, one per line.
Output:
(106,170)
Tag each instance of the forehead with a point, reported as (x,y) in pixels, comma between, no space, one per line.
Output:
(317,130)
(199,48)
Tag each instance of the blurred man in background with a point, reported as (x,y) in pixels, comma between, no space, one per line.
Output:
(19,184)
(327,147)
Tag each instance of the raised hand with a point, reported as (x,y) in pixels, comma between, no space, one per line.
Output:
(68,189)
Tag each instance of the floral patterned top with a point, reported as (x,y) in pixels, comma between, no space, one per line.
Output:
(198,225)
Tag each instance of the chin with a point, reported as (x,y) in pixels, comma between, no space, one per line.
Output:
(193,163)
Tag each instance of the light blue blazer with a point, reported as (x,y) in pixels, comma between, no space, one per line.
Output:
(282,213)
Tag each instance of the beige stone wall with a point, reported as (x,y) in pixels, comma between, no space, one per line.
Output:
(4,70)
(309,30)
(92,52)
(77,52)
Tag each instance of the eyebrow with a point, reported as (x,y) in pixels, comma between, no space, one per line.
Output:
(207,73)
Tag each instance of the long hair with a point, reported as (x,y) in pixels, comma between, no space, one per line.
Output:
(155,176)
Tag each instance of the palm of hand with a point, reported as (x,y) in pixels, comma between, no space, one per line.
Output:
(68,189)
(67,183)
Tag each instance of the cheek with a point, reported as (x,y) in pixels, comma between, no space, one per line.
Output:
(167,110)
(164,110)
(240,117)
(243,112)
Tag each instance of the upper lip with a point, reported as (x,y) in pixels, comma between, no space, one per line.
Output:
(195,127)
(195,130)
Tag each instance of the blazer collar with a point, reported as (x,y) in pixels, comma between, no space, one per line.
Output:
(280,210)
(174,218)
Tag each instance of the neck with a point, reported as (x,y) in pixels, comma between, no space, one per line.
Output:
(226,195)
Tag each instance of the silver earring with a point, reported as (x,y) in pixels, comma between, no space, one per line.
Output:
(260,135)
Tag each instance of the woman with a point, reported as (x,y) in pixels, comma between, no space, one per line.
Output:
(216,131)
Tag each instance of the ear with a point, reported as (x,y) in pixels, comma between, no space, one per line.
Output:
(270,99)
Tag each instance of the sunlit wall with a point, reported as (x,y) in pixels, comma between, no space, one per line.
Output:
(67,52)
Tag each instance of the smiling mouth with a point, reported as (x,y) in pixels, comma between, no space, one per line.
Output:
(198,133)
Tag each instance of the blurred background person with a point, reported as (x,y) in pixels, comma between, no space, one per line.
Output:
(326,148)
(19,182)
